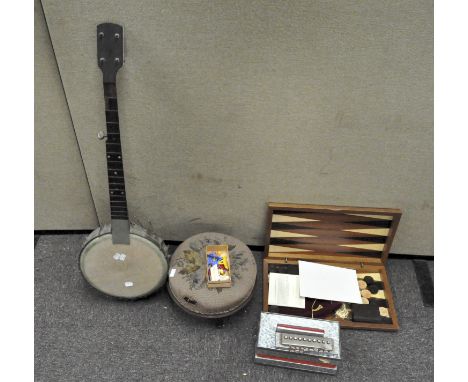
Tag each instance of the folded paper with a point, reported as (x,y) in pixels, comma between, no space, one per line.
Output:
(283,290)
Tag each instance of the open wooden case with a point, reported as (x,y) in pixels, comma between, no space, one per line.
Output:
(350,237)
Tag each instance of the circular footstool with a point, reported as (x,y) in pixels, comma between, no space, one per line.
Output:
(187,277)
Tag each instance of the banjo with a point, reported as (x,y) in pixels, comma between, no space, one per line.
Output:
(121,259)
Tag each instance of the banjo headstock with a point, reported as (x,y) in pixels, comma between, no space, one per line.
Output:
(110,52)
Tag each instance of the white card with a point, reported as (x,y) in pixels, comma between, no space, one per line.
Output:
(214,273)
(326,282)
(283,290)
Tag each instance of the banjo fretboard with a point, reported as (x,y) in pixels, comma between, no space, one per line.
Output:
(115,171)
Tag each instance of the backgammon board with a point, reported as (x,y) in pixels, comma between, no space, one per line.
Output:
(351,237)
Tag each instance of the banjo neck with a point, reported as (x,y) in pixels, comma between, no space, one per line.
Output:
(110,60)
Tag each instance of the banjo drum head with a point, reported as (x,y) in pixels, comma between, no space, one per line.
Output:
(125,271)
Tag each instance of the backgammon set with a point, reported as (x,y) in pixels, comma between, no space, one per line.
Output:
(348,237)
(324,266)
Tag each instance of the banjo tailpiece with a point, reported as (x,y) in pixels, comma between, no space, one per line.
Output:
(110,58)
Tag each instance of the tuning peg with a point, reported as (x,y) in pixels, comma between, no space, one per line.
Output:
(101,135)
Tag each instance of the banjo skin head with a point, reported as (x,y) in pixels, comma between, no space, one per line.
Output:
(125,271)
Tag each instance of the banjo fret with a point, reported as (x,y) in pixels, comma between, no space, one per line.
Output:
(114,165)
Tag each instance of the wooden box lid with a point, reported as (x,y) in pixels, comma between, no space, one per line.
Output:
(330,233)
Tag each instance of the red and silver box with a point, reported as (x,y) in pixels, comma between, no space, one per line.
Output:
(298,343)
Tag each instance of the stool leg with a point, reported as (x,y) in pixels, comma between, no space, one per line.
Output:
(219,322)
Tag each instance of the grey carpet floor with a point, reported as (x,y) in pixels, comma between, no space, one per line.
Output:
(81,335)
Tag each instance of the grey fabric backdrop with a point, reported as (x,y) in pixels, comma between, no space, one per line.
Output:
(226,105)
(62,199)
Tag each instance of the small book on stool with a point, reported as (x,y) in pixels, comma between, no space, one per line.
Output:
(298,343)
